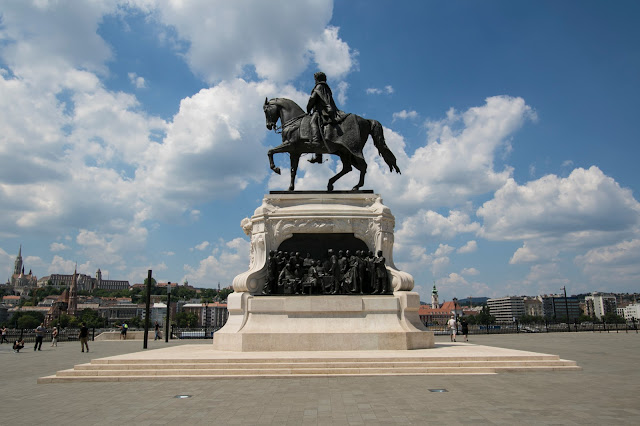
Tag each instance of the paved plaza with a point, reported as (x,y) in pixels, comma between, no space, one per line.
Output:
(606,391)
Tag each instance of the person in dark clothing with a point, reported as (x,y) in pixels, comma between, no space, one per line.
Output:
(84,337)
(39,336)
(464,329)
(18,344)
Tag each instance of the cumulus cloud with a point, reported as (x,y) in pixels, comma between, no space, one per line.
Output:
(221,40)
(469,271)
(137,81)
(54,247)
(469,247)
(404,114)
(583,205)
(200,247)
(377,91)
(333,56)
(617,263)
(342,93)
(228,259)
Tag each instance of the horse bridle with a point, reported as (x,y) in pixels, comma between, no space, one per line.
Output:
(280,129)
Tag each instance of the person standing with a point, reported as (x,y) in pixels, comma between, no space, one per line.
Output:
(54,337)
(452,325)
(4,335)
(40,330)
(464,328)
(84,337)
(157,327)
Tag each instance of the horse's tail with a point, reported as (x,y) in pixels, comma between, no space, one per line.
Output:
(378,141)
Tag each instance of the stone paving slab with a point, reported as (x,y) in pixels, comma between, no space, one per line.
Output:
(604,392)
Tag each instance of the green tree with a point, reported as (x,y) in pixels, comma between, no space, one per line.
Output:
(186,319)
(91,318)
(28,322)
(612,318)
(483,318)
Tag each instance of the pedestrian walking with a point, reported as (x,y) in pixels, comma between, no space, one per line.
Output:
(464,329)
(453,326)
(157,332)
(84,336)
(123,331)
(4,335)
(40,331)
(54,337)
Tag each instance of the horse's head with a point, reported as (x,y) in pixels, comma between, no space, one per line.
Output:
(271,113)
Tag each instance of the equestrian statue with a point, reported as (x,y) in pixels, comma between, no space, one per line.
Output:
(324,129)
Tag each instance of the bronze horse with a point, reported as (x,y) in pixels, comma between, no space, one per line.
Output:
(346,139)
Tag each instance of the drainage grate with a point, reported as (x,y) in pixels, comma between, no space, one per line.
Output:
(182,396)
(438,390)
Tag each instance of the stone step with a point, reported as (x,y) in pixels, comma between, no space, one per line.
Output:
(112,361)
(152,365)
(67,376)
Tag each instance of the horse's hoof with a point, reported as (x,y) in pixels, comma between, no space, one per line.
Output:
(355,188)
(277,170)
(291,188)
(329,187)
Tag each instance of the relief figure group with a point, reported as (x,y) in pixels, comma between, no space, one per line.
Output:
(338,273)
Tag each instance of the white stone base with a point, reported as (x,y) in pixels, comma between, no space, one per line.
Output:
(323,323)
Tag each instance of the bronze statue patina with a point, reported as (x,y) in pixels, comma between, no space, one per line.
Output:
(344,273)
(342,134)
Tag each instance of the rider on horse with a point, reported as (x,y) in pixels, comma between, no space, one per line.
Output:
(324,110)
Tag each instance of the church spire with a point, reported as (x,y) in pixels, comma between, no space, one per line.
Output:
(434,297)
(72,308)
(17,266)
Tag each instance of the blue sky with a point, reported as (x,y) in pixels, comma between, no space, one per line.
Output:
(133,134)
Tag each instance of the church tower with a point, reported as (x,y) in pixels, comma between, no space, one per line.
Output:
(17,266)
(434,298)
(72,308)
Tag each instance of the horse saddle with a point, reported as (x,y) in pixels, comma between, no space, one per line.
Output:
(305,125)
(305,128)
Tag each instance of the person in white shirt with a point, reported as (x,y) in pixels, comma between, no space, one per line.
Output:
(452,325)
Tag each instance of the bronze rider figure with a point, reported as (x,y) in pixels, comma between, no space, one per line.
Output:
(324,110)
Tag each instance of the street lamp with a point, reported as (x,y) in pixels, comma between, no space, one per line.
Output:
(206,316)
(566,306)
(166,334)
(455,311)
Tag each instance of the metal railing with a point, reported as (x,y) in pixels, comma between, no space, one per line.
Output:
(64,335)
(546,327)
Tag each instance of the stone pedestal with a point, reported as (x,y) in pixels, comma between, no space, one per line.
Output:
(320,322)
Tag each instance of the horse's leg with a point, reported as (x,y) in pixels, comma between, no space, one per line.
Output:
(294,158)
(346,168)
(362,166)
(277,150)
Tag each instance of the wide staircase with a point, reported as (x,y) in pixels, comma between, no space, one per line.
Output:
(114,369)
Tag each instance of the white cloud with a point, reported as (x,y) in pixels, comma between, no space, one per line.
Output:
(221,39)
(200,247)
(342,93)
(432,225)
(227,260)
(54,247)
(470,271)
(376,91)
(584,205)
(404,114)
(137,81)
(469,247)
(333,55)
(615,263)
